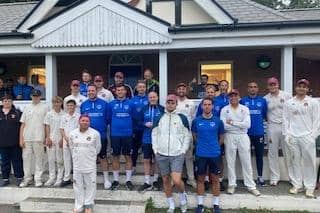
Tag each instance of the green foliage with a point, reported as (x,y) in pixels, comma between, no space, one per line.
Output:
(290,4)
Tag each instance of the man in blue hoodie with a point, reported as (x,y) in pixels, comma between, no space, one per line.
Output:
(97,109)
(120,119)
(86,81)
(258,113)
(138,102)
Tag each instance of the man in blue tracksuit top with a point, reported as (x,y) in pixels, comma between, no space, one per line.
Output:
(150,115)
(120,117)
(86,81)
(221,100)
(208,133)
(138,102)
(97,110)
(258,113)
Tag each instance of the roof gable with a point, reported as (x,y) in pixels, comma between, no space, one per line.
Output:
(100,23)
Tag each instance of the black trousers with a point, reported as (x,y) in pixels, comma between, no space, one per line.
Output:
(136,145)
(11,155)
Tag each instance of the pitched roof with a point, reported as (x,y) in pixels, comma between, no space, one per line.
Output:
(247,11)
(303,14)
(11,14)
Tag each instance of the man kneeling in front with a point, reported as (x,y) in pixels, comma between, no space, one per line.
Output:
(85,145)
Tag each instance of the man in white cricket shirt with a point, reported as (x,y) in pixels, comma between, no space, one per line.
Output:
(75,95)
(276,99)
(32,136)
(301,119)
(236,120)
(85,145)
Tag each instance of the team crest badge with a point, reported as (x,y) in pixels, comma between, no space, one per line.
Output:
(145,102)
(13,116)
(99,106)
(89,138)
(305,104)
(295,112)
(259,104)
(104,95)
(126,107)
(212,124)
(282,100)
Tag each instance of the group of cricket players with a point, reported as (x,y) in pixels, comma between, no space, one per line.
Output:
(179,139)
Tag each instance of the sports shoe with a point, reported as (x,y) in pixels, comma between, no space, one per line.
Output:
(206,185)
(65,183)
(216,209)
(156,186)
(199,209)
(129,185)
(19,181)
(114,186)
(192,183)
(50,182)
(231,190)
(261,182)
(145,187)
(255,192)
(4,182)
(310,193)
(25,183)
(170,210)
(38,184)
(107,184)
(295,190)
(273,183)
(57,183)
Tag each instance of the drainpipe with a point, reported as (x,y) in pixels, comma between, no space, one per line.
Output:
(177,12)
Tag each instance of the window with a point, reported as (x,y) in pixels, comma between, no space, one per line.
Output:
(217,71)
(37,70)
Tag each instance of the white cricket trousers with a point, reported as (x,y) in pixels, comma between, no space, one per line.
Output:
(276,140)
(67,161)
(55,161)
(33,150)
(189,157)
(302,152)
(85,187)
(240,143)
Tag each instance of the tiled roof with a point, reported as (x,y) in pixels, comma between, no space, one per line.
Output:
(247,11)
(12,14)
(303,14)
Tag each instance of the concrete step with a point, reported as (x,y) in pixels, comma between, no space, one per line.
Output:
(38,204)
(273,198)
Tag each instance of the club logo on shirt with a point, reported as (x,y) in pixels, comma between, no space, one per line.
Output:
(13,116)
(145,102)
(212,124)
(282,100)
(259,104)
(89,138)
(104,95)
(126,107)
(99,106)
(305,104)
(227,111)
(116,106)
(218,108)
(296,112)
(247,104)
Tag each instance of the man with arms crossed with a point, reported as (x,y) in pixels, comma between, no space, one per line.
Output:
(276,99)
(301,119)
(236,120)
(170,141)
(208,133)
(85,145)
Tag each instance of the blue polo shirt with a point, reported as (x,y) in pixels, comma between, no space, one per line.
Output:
(258,112)
(120,117)
(138,102)
(150,114)
(98,112)
(84,88)
(207,132)
(220,101)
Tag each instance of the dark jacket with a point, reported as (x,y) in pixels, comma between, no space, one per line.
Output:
(9,128)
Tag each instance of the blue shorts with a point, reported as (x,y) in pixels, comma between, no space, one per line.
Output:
(121,145)
(103,152)
(202,164)
(147,151)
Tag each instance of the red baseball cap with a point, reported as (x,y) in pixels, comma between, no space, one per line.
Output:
(98,78)
(273,80)
(73,82)
(172,97)
(120,74)
(234,92)
(303,81)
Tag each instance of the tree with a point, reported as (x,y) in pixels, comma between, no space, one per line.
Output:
(290,4)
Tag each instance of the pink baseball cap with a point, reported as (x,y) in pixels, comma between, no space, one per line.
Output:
(234,92)
(303,81)
(273,80)
(73,82)
(172,97)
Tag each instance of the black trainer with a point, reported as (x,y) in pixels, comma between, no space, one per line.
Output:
(206,185)
(65,183)
(156,186)
(216,209)
(222,187)
(19,181)
(129,185)
(145,187)
(115,186)
(199,209)
(4,182)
